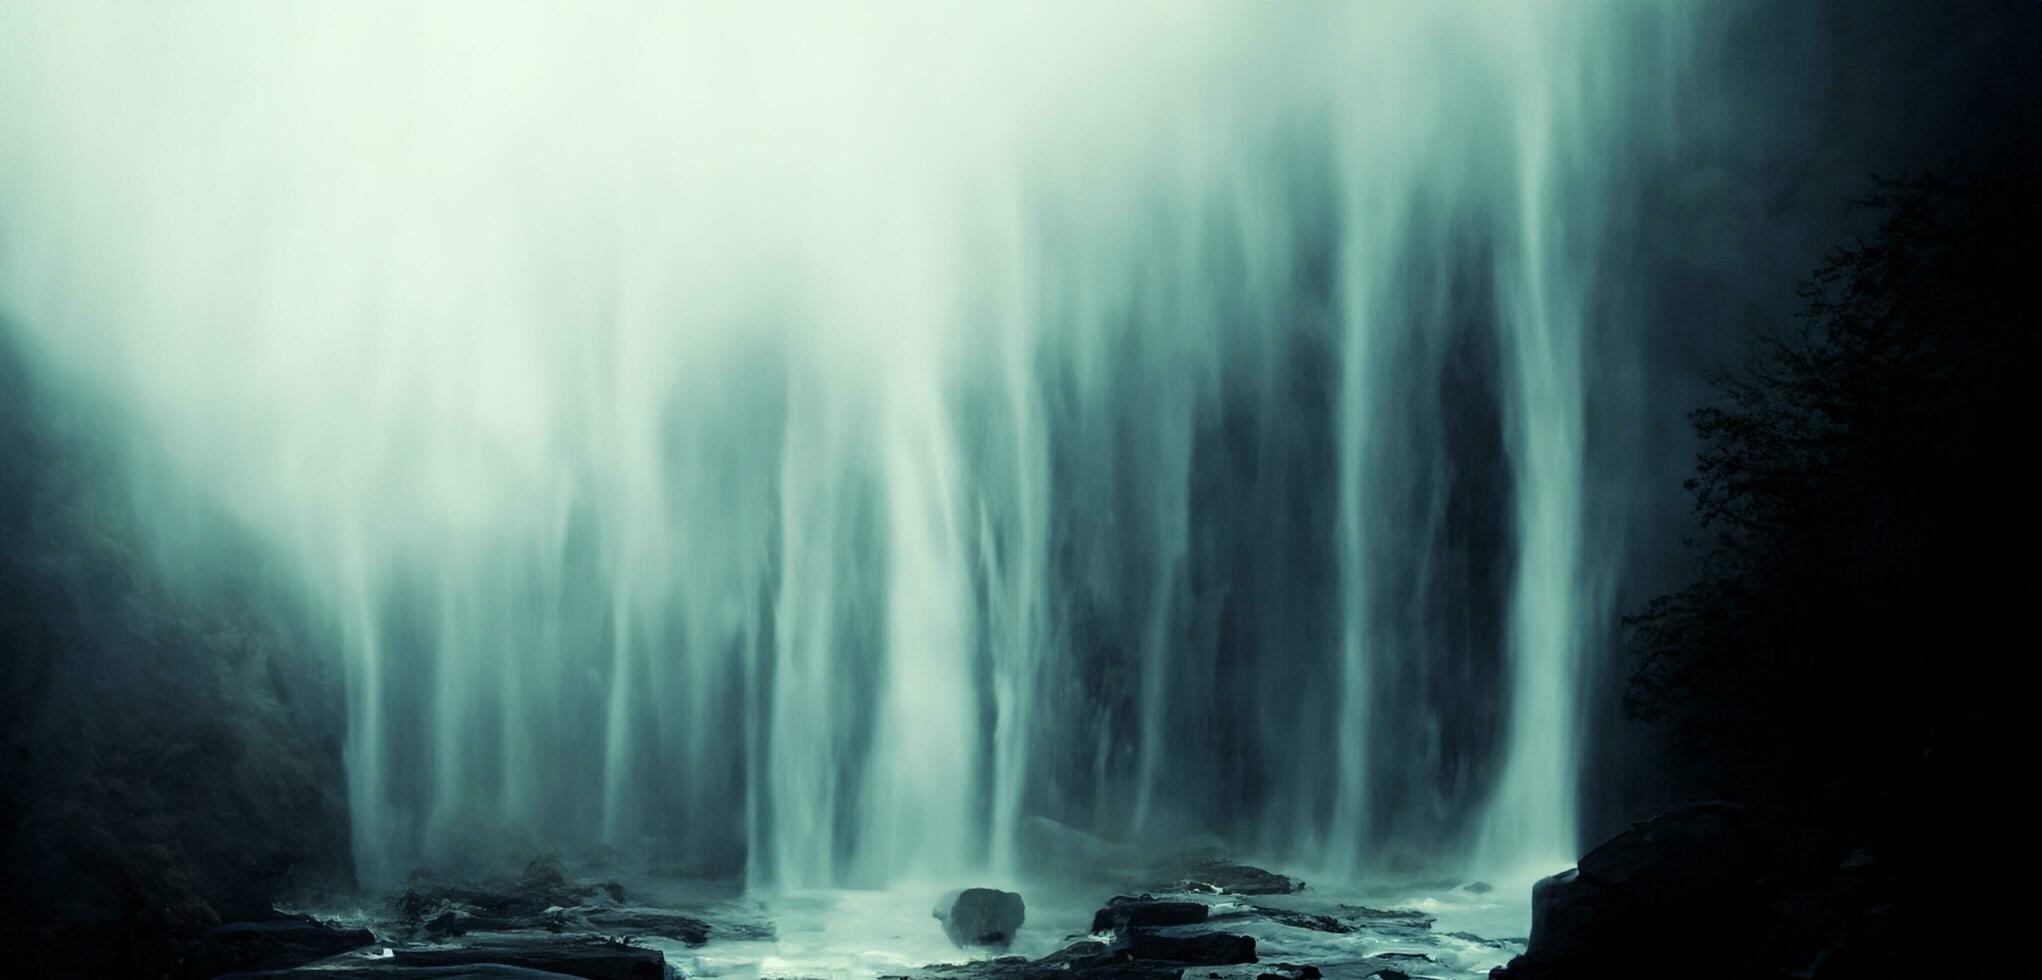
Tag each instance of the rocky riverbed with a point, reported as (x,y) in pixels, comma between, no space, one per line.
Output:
(1197,918)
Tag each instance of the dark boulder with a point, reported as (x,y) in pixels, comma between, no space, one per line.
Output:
(1143,912)
(1679,881)
(1712,889)
(1205,949)
(981,916)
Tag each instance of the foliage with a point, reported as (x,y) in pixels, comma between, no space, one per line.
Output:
(1860,489)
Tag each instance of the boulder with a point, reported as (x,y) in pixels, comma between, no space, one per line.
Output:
(1143,912)
(1710,889)
(981,916)
(1204,949)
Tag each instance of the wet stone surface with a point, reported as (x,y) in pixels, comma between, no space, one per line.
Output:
(981,916)
(1218,920)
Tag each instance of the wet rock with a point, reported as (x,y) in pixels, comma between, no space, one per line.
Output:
(452,922)
(589,957)
(279,943)
(383,970)
(664,923)
(1097,961)
(1289,971)
(1207,948)
(981,916)
(1320,915)
(1398,966)
(1469,937)
(1087,960)
(1385,918)
(1309,920)
(1132,970)
(1684,880)
(1658,882)
(514,903)
(1235,879)
(545,900)
(693,925)
(996,968)
(540,899)
(1388,924)
(1146,911)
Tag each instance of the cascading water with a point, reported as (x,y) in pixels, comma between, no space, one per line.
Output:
(813,443)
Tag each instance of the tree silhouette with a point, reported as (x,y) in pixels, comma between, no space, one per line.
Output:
(1862,493)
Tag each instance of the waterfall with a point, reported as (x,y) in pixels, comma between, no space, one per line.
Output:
(808,443)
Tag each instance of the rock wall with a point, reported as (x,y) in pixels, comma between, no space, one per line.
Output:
(172,746)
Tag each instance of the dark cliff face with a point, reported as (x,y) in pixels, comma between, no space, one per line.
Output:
(172,751)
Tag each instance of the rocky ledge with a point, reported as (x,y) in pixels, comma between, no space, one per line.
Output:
(1715,890)
(587,957)
(541,923)
(1207,919)
(281,942)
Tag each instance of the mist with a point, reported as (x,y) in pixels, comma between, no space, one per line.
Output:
(888,447)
